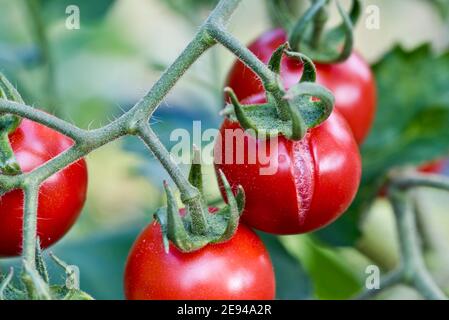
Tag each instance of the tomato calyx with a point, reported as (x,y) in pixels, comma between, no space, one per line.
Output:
(35,282)
(8,124)
(335,45)
(196,228)
(304,106)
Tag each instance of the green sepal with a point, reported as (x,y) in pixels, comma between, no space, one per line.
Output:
(221,225)
(276,58)
(314,112)
(71,273)
(195,174)
(309,69)
(230,213)
(63,293)
(263,120)
(8,124)
(337,43)
(5,283)
(71,289)
(36,287)
(40,263)
(8,162)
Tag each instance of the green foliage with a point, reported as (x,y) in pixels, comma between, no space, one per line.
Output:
(292,281)
(411,127)
(332,276)
(190,9)
(442,6)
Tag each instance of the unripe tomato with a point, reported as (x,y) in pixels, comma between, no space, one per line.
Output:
(351,81)
(61,197)
(238,269)
(315,181)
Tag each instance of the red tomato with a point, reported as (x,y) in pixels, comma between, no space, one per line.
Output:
(436,166)
(315,182)
(351,81)
(237,269)
(61,197)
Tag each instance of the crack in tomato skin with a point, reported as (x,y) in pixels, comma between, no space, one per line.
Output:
(326,164)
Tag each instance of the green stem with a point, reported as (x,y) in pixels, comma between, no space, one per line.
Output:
(190,195)
(268,78)
(8,162)
(148,104)
(415,179)
(40,34)
(318,27)
(161,153)
(29,240)
(387,282)
(297,32)
(280,12)
(224,37)
(415,271)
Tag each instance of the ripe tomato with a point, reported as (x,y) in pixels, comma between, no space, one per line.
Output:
(61,197)
(237,269)
(436,166)
(315,181)
(351,82)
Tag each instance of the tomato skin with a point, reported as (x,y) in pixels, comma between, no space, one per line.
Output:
(61,197)
(436,166)
(351,81)
(315,182)
(239,269)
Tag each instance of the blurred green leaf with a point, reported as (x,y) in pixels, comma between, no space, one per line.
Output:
(190,9)
(101,260)
(332,276)
(292,281)
(411,127)
(442,6)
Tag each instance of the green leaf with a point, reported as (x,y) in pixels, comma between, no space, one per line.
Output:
(411,126)
(63,293)
(442,6)
(292,281)
(190,9)
(332,276)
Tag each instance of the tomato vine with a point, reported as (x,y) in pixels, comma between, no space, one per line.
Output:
(135,122)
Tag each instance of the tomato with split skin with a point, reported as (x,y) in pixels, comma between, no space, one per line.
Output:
(351,81)
(239,269)
(313,182)
(61,196)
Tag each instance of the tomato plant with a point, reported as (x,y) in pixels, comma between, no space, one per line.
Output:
(315,182)
(351,81)
(237,269)
(61,197)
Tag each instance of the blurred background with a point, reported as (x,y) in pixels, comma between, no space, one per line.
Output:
(99,71)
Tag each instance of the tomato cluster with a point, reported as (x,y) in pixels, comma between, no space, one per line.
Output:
(314,182)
